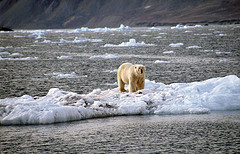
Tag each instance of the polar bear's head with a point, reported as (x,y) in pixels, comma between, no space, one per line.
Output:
(140,69)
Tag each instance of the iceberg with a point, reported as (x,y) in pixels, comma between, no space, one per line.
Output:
(222,93)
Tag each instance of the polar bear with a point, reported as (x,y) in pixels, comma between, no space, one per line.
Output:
(133,75)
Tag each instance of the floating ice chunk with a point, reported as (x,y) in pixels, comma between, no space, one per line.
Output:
(122,28)
(62,75)
(83,29)
(218,53)
(64,41)
(168,52)
(8,47)
(185,27)
(157,98)
(178,27)
(16,55)
(161,62)
(86,29)
(111,71)
(106,56)
(25,58)
(208,51)
(18,36)
(222,35)
(194,47)
(77,40)
(174,45)
(64,57)
(154,28)
(4,53)
(46,41)
(132,42)
(158,37)
(101,30)
(224,61)
(95,40)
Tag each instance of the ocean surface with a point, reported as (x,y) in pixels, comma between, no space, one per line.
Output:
(82,60)
(217,132)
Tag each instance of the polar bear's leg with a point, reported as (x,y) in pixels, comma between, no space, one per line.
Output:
(140,84)
(132,86)
(121,85)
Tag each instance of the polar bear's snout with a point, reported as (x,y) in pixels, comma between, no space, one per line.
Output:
(140,70)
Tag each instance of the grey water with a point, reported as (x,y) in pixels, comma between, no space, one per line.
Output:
(217,132)
(218,55)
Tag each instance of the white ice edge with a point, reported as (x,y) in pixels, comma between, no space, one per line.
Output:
(221,93)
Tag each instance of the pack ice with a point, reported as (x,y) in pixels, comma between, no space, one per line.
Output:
(221,93)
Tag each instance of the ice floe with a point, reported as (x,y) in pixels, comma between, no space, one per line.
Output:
(175,45)
(131,42)
(221,93)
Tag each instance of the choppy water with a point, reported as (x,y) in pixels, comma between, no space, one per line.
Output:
(218,56)
(217,132)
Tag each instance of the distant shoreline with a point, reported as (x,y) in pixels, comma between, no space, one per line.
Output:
(142,24)
(217,22)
